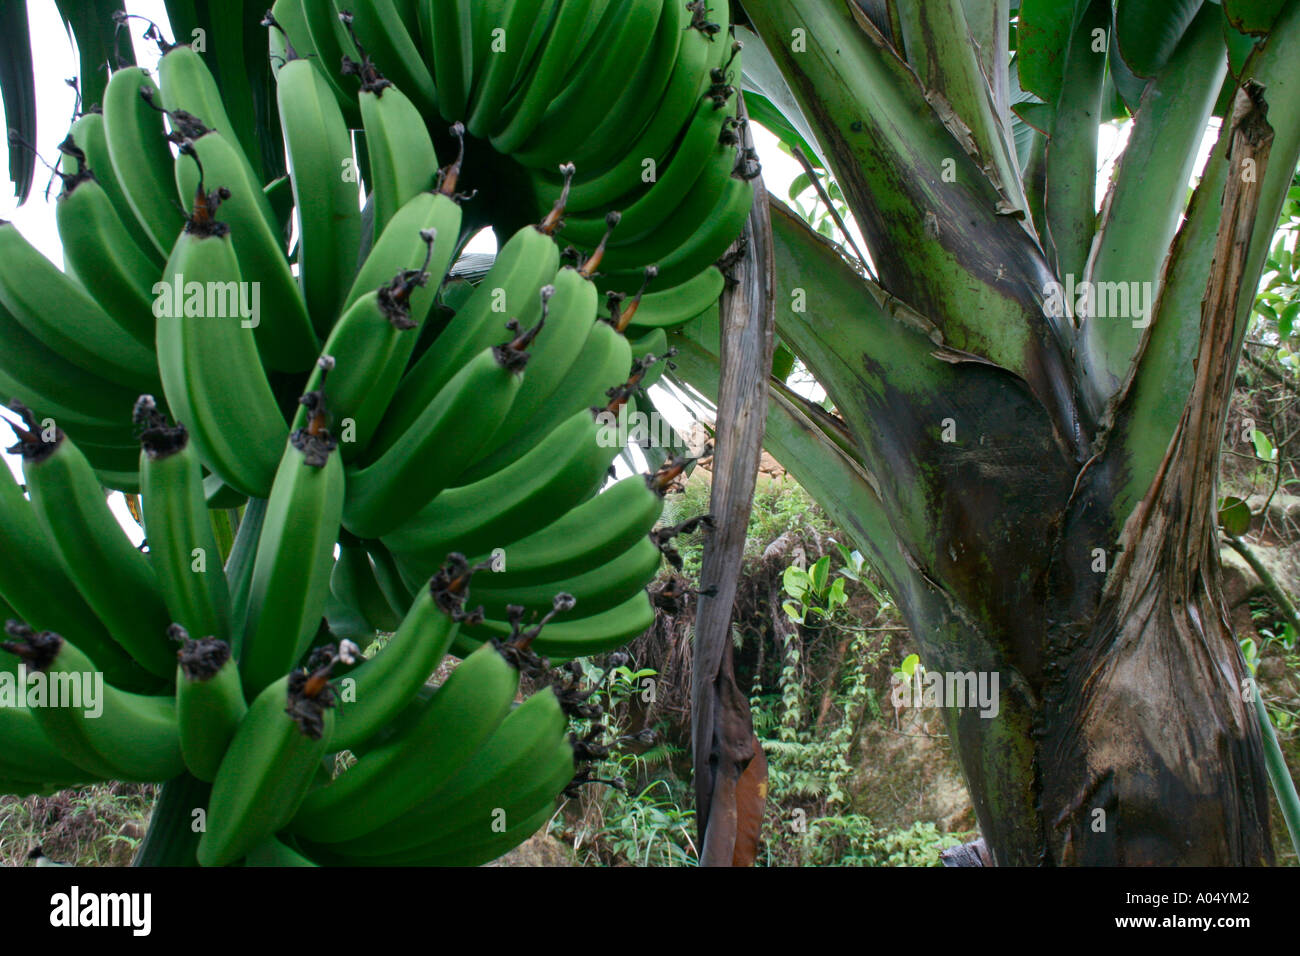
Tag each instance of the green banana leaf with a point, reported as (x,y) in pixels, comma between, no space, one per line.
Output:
(18,86)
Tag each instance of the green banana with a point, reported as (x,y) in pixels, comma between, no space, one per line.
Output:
(29,755)
(389,578)
(403,163)
(445,31)
(37,589)
(270,764)
(271,852)
(239,568)
(140,157)
(593,88)
(286,341)
(427,458)
(402,247)
(182,546)
(525,263)
(677,306)
(209,701)
(331,43)
(604,361)
(115,579)
(699,154)
(595,589)
(507,54)
(89,131)
(38,376)
(377,24)
(690,82)
(375,338)
(55,309)
(683,254)
(643,90)
(568,312)
(379,688)
(212,375)
(326,208)
(517,813)
(295,553)
(528,107)
(106,731)
(391,779)
(576,637)
(564,469)
(504,769)
(586,537)
(188,87)
(98,251)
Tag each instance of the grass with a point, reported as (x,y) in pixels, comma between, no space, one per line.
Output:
(98,825)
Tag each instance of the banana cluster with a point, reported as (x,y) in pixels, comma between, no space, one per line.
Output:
(403,445)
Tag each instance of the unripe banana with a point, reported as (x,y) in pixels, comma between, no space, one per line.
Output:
(99,252)
(585,538)
(29,755)
(374,339)
(572,637)
(56,310)
(504,767)
(595,589)
(378,25)
(283,331)
(209,701)
(564,469)
(378,689)
(295,552)
(141,159)
(211,372)
(425,460)
(114,578)
(389,780)
(319,148)
(131,737)
(89,132)
(269,766)
(402,161)
(525,263)
(353,583)
(35,585)
(183,547)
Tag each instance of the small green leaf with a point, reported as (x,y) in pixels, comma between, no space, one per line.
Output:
(798,185)
(795,581)
(792,612)
(1286,319)
(1264,449)
(819,573)
(909,664)
(1234,515)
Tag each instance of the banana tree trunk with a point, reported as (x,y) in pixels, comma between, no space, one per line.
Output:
(1037,485)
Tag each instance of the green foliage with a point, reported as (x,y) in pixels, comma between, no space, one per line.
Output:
(853,840)
(98,825)
(642,821)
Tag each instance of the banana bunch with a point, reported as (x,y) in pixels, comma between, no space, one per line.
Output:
(396,447)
